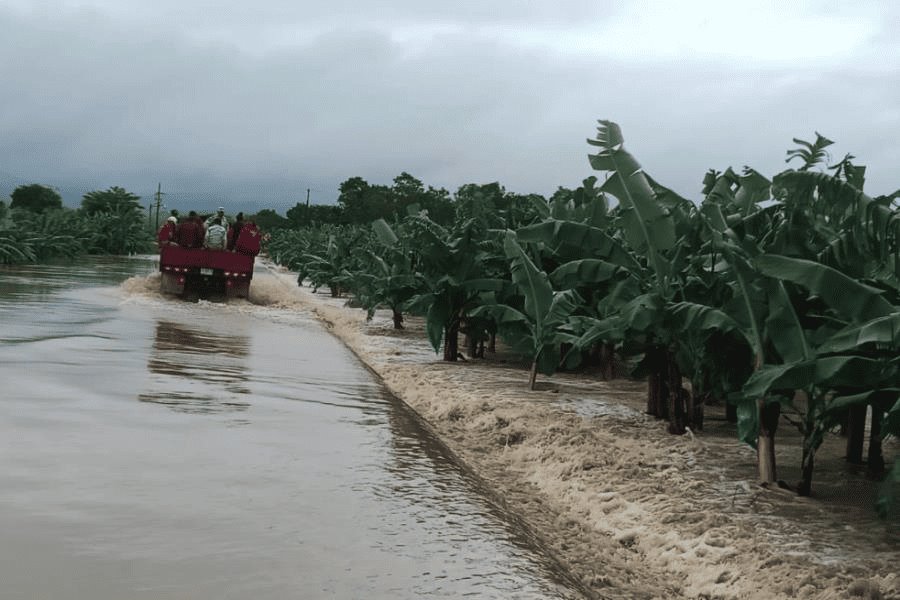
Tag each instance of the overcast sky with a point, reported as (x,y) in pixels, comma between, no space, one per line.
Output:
(239,100)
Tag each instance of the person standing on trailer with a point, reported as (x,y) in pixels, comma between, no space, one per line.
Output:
(190,233)
(220,214)
(215,235)
(235,230)
(166,233)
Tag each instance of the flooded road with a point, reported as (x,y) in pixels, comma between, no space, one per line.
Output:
(152,448)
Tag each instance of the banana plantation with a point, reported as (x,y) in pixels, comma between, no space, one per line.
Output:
(778,297)
(28,236)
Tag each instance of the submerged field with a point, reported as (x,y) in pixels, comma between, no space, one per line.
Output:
(632,511)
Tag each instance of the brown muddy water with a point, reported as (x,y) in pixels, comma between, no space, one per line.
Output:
(152,448)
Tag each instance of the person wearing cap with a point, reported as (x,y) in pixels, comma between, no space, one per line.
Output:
(220,214)
(166,234)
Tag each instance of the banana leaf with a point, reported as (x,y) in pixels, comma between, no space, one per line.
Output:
(581,239)
(880,332)
(850,298)
(878,396)
(439,313)
(583,272)
(648,227)
(531,281)
(689,317)
(539,325)
(644,313)
(830,371)
(783,326)
(384,233)
(754,188)
(592,330)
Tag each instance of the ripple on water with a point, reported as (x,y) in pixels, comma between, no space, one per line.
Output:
(164,449)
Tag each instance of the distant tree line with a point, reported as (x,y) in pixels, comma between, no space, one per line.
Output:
(361,202)
(36,226)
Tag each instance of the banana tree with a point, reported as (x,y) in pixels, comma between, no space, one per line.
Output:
(581,253)
(536,328)
(387,278)
(654,223)
(460,269)
(333,264)
(832,375)
(585,204)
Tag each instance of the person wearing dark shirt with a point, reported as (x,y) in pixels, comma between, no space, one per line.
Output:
(190,233)
(235,230)
(166,234)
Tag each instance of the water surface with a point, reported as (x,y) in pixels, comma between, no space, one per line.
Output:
(152,448)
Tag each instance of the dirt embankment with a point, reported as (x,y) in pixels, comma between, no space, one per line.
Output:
(630,510)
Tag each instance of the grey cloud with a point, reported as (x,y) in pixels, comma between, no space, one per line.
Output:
(91,103)
(227,13)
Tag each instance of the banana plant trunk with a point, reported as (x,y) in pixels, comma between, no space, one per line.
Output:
(856,433)
(657,398)
(398,319)
(731,412)
(808,428)
(806,469)
(606,357)
(654,394)
(765,445)
(451,341)
(676,395)
(471,343)
(533,378)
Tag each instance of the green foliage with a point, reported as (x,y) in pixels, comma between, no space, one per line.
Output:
(538,326)
(27,236)
(810,153)
(315,215)
(113,200)
(269,220)
(35,197)
(385,277)
(363,203)
(458,266)
(327,257)
(585,204)
(119,230)
(647,225)
(782,290)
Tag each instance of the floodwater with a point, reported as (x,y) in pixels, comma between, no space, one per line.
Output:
(152,448)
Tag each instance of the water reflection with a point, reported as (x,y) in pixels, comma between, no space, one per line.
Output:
(198,371)
(175,337)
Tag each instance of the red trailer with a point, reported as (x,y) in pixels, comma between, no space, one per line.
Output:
(204,272)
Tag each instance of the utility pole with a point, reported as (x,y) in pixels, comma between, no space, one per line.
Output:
(307,206)
(158,203)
